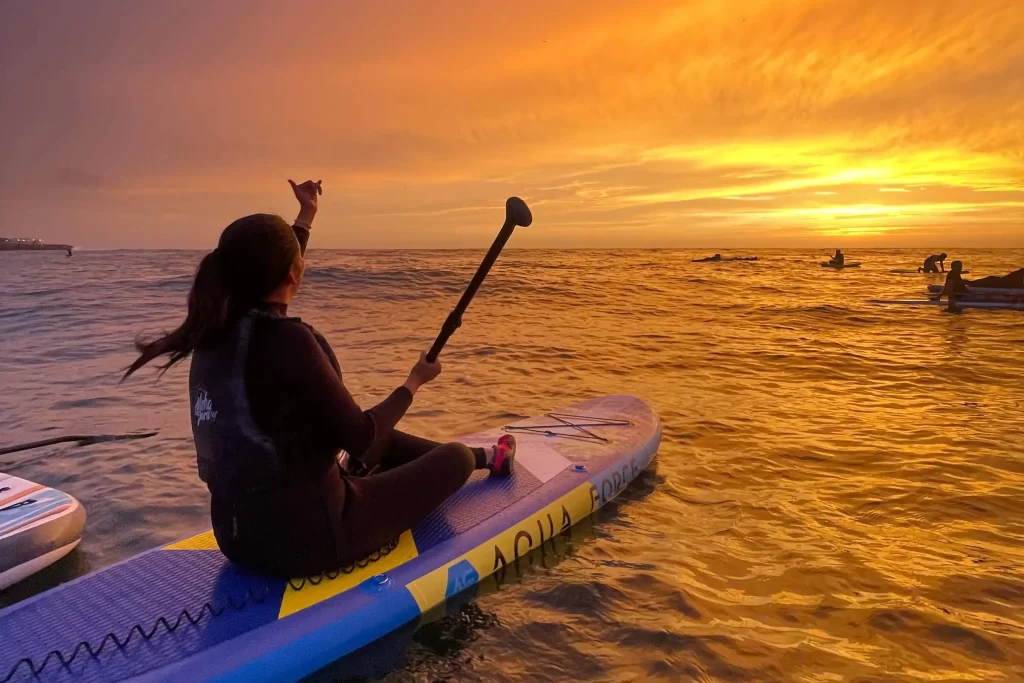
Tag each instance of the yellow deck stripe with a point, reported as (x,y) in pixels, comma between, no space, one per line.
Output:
(296,600)
(203,541)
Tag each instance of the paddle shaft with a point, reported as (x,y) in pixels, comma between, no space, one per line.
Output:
(454,320)
(78,440)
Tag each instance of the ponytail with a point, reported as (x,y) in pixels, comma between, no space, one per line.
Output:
(210,316)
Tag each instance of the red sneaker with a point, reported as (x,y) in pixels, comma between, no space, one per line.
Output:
(504,456)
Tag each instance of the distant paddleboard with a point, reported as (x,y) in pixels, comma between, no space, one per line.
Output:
(961,304)
(726,259)
(993,291)
(905,271)
(851,264)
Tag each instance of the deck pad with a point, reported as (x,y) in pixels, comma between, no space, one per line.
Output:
(183,612)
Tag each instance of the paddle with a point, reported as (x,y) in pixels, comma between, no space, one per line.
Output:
(77,440)
(517,214)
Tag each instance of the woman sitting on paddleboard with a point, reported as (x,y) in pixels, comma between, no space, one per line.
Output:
(270,415)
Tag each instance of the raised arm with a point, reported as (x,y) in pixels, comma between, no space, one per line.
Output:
(307,194)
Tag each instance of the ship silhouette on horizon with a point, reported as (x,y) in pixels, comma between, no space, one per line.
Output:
(28,244)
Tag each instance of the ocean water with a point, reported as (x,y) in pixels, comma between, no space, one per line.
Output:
(839,494)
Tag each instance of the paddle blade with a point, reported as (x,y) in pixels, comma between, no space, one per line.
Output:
(518,213)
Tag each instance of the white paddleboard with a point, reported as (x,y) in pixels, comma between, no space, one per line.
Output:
(960,304)
(994,291)
(38,526)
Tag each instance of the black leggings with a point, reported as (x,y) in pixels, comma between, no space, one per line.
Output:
(415,476)
(340,519)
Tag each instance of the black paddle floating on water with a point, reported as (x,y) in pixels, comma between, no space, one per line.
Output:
(77,440)
(517,214)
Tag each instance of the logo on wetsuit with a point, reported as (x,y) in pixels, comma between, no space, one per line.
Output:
(203,408)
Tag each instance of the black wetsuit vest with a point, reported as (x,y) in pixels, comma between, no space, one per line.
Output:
(261,508)
(233,455)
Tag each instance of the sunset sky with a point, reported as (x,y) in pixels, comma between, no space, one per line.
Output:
(682,123)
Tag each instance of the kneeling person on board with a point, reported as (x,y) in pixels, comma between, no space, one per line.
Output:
(955,284)
(929,264)
(838,259)
(270,415)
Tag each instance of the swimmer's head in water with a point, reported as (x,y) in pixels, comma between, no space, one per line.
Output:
(257,258)
(956,266)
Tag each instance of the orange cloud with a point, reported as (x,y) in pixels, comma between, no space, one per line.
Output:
(647,123)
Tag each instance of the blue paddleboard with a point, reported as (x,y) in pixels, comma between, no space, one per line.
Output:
(184,613)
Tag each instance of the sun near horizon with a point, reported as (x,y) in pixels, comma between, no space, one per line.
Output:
(784,123)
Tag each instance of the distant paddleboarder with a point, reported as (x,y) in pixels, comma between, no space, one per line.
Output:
(717,258)
(837,260)
(929,264)
(955,284)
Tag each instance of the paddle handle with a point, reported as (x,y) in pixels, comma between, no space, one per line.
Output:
(454,319)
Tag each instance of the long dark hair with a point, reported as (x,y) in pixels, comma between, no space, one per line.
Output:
(253,257)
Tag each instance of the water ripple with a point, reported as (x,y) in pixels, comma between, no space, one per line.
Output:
(838,494)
